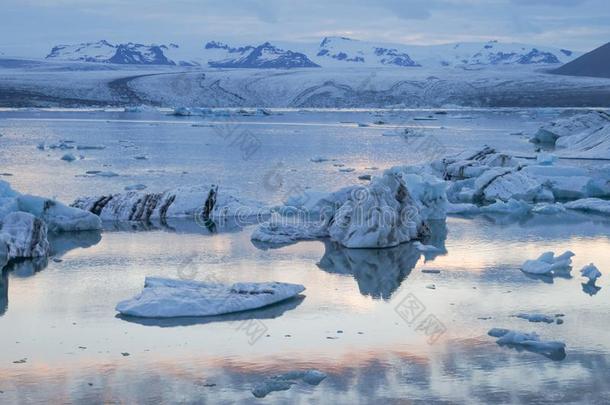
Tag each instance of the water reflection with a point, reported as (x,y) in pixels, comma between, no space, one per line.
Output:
(269,312)
(60,244)
(183,225)
(378,272)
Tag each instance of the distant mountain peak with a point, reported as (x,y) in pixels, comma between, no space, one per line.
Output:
(593,64)
(264,55)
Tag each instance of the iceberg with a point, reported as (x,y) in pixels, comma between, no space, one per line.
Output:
(529,341)
(167,298)
(202,202)
(595,205)
(585,135)
(22,235)
(283,382)
(591,272)
(540,318)
(548,264)
(59,217)
(393,209)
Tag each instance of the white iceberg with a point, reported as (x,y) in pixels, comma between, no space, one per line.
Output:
(283,382)
(391,210)
(22,235)
(539,318)
(547,263)
(204,202)
(529,341)
(59,217)
(591,272)
(595,205)
(585,135)
(166,298)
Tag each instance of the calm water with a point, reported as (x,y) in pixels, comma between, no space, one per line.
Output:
(60,316)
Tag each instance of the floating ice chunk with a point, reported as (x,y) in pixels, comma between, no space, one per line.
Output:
(59,217)
(283,382)
(595,205)
(347,169)
(462,208)
(68,157)
(425,248)
(548,208)
(23,235)
(582,135)
(591,272)
(547,263)
(90,147)
(364,177)
(135,187)
(512,207)
(319,159)
(106,174)
(529,341)
(166,298)
(204,203)
(536,317)
(545,159)
(183,111)
(391,210)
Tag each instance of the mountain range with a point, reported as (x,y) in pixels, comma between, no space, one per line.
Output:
(330,52)
(594,64)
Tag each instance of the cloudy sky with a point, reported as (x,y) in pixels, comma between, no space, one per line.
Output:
(32,26)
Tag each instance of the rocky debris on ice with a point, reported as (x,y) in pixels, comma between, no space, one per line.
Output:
(391,210)
(595,205)
(585,135)
(548,264)
(529,341)
(202,202)
(167,298)
(22,235)
(591,272)
(283,382)
(540,318)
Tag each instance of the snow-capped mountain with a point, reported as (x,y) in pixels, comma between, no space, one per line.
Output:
(341,51)
(346,50)
(128,54)
(262,56)
(100,51)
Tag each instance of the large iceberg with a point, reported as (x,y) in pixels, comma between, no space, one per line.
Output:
(393,209)
(167,298)
(23,236)
(25,221)
(585,135)
(207,203)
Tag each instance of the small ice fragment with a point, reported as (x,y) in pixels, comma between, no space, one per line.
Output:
(319,159)
(431,287)
(347,169)
(591,272)
(425,248)
(364,177)
(530,341)
(90,147)
(140,157)
(545,159)
(431,271)
(536,317)
(135,187)
(68,157)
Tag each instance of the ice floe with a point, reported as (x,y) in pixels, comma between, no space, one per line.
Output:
(202,202)
(167,298)
(591,272)
(283,382)
(529,341)
(595,205)
(585,135)
(540,318)
(548,264)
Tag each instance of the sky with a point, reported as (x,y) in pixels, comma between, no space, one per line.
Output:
(32,27)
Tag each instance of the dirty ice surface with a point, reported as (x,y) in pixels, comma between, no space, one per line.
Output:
(354,323)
